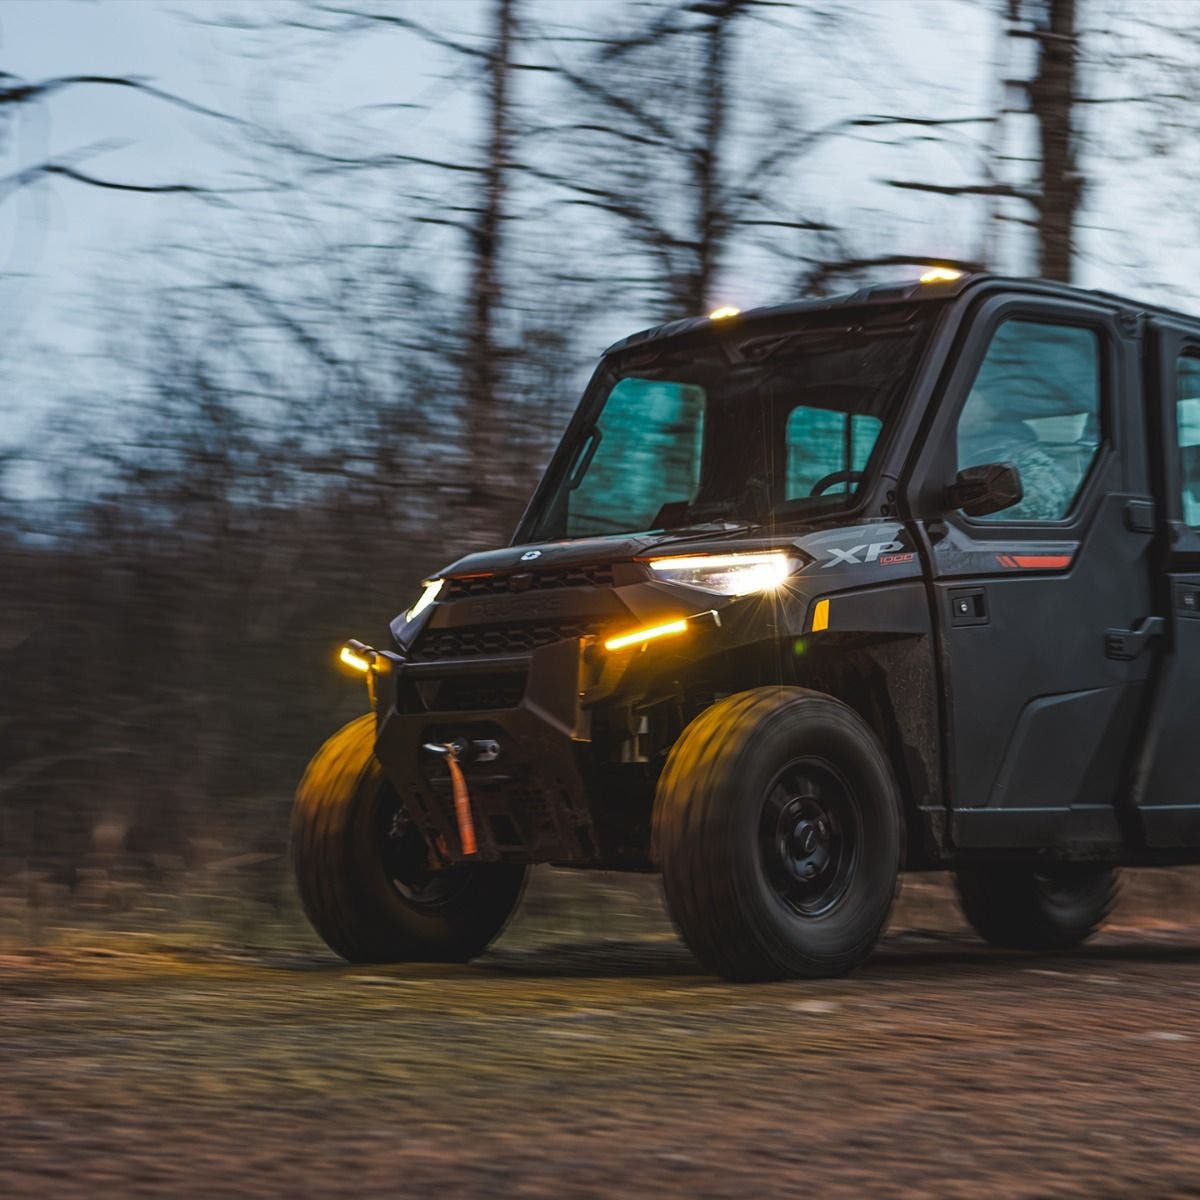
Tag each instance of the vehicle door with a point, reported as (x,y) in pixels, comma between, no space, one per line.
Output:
(1039,608)
(1166,792)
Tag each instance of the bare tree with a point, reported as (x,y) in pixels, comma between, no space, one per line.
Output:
(1052,104)
(646,135)
(481,383)
(18,96)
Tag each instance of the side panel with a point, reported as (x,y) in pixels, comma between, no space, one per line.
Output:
(1039,705)
(1167,784)
(1041,717)
(1168,791)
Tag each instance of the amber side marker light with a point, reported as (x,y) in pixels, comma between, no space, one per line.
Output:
(941,275)
(820,618)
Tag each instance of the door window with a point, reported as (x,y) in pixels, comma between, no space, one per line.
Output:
(1035,403)
(1187,425)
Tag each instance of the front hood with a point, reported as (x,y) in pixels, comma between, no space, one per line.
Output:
(850,556)
(857,543)
(621,547)
(548,555)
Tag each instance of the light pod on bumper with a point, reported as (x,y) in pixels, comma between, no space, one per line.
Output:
(358,656)
(739,574)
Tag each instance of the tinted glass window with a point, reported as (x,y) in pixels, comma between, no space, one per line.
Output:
(734,425)
(1188,425)
(1035,403)
(646,444)
(823,443)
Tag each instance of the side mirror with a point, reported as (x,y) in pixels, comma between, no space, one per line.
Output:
(986,489)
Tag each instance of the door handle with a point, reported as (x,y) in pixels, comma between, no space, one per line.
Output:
(1126,644)
(968,606)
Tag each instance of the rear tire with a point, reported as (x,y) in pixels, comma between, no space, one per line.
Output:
(363,873)
(777,825)
(1025,908)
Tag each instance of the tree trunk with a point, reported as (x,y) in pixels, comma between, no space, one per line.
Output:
(712,221)
(481,376)
(1052,105)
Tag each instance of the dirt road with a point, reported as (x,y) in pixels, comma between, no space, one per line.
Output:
(592,1067)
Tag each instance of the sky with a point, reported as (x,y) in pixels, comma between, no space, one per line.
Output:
(66,248)
(54,239)
(57,238)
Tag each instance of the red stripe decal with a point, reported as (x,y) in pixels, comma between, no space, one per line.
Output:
(1043,562)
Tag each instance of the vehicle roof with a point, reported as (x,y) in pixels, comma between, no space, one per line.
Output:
(901,292)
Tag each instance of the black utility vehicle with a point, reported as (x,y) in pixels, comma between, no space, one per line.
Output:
(810,594)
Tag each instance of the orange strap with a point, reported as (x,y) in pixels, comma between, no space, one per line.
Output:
(462,805)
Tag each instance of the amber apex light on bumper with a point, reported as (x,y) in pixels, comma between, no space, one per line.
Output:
(645,635)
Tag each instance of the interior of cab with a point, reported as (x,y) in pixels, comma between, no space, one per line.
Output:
(1036,403)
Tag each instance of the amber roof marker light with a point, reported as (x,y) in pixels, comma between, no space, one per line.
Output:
(941,275)
(723,313)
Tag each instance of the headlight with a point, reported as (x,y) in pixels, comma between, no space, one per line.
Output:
(726,574)
(432,589)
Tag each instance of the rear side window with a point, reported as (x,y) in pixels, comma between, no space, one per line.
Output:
(1035,403)
(1187,425)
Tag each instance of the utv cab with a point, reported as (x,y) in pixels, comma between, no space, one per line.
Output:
(906,579)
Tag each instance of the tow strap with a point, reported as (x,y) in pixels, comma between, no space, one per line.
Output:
(462,798)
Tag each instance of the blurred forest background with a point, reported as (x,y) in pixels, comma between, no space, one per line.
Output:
(352,329)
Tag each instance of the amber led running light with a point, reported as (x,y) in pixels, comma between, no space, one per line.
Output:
(646,635)
(649,633)
(357,655)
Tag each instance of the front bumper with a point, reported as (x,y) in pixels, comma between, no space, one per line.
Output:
(527,786)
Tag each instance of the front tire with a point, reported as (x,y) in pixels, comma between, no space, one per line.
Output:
(1052,907)
(363,870)
(777,825)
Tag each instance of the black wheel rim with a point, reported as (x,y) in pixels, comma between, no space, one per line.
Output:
(1066,885)
(809,836)
(404,855)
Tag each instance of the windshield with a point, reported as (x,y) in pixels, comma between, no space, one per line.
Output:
(781,422)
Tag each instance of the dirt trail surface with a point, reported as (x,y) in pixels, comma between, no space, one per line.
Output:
(600,1067)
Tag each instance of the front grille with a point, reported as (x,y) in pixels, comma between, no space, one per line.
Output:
(529,581)
(483,692)
(478,693)
(494,640)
